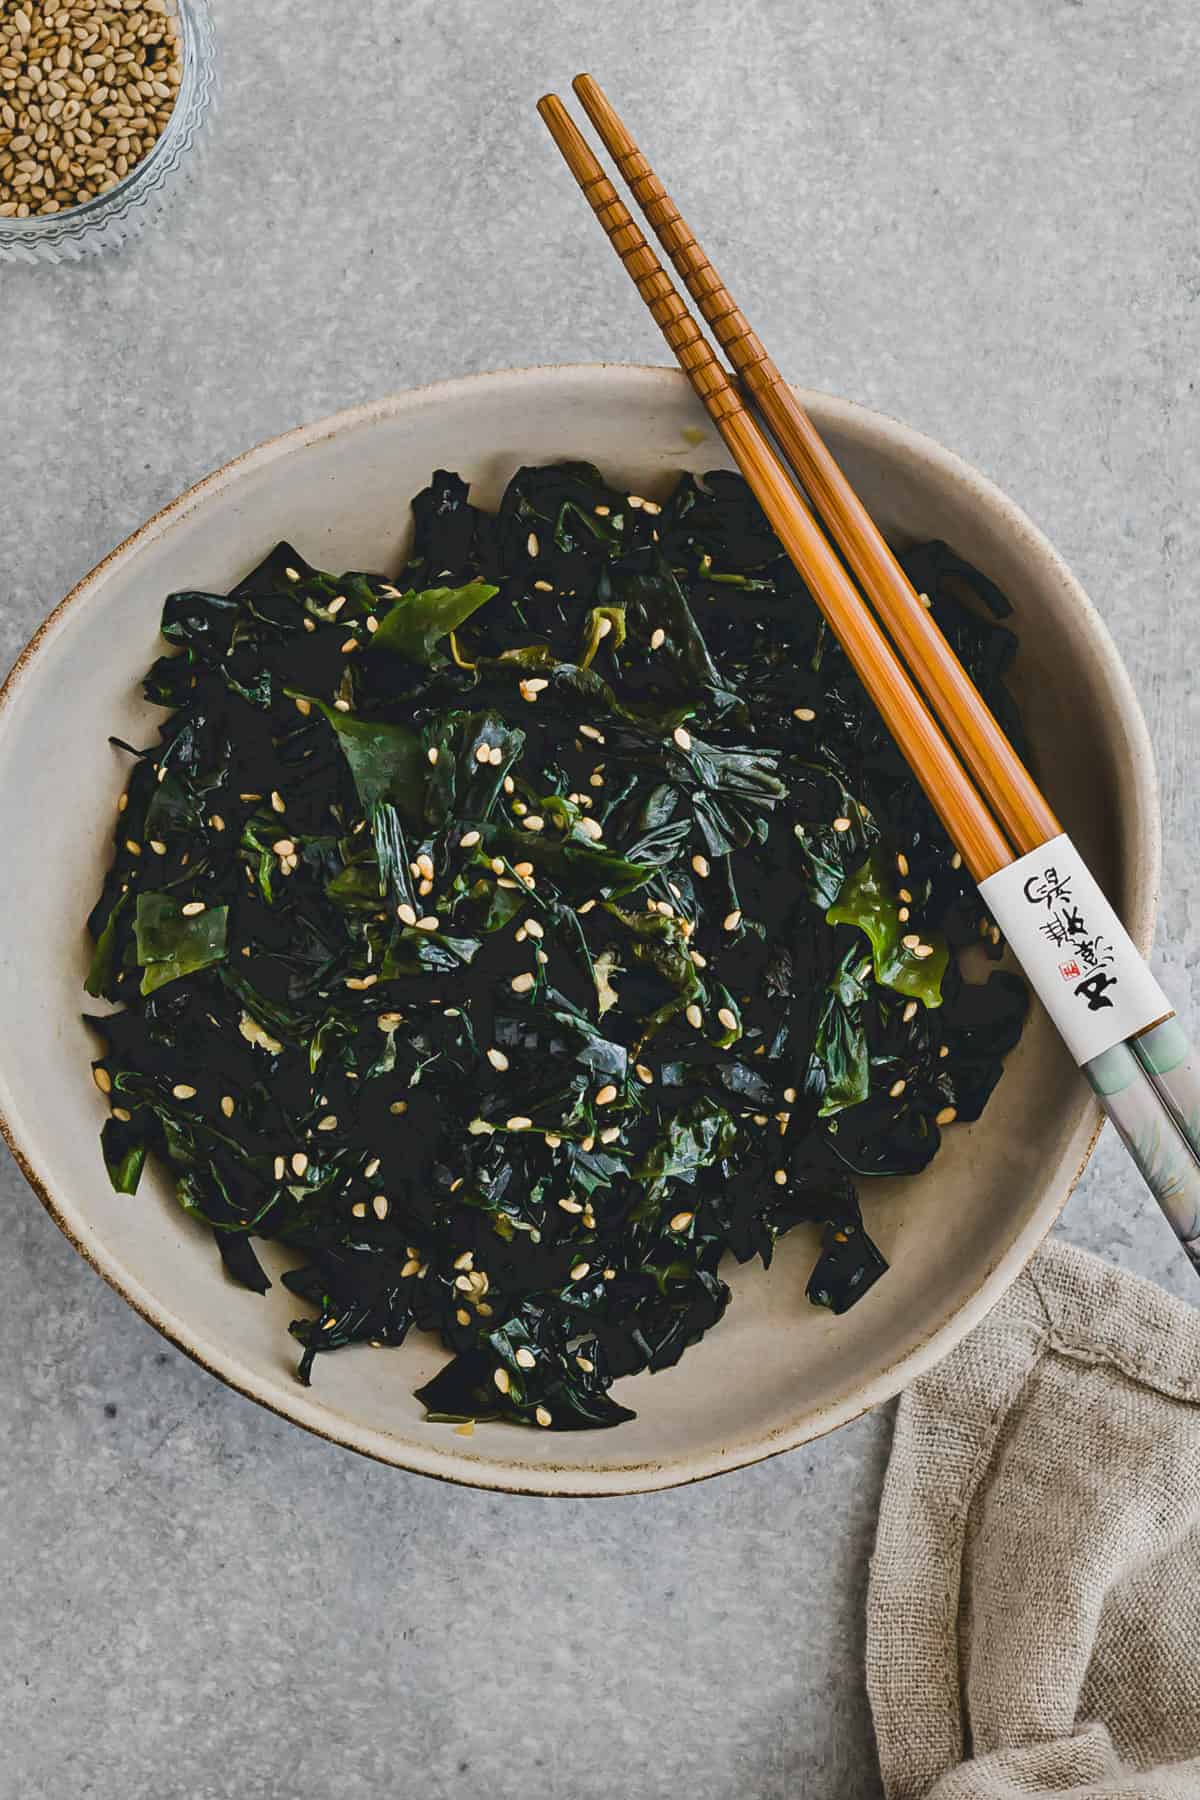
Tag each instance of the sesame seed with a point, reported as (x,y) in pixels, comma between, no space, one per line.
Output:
(903,915)
(551,1141)
(610,1134)
(943,1049)
(607,1094)
(694,1016)
(328,1123)
(520,808)
(359,1209)
(902,863)
(468,840)
(341,706)
(498,1060)
(424,888)
(406,914)
(335,606)
(947,1115)
(570,1204)
(590,828)
(193,909)
(303,706)
(482,752)
(521,984)
(604,627)
(956,861)
(532,687)
(463,1316)
(495,758)
(732,920)
(923,950)
(897,1088)
(398,1106)
(544,587)
(543,1415)
(292,574)
(780,1178)
(602,512)
(910,941)
(227,1105)
(905,896)
(643,1073)
(531,543)
(682,738)
(532,926)
(534,822)
(909,1013)
(411,1267)
(310,624)
(681,1221)
(158,847)
(926,602)
(299,1163)
(351,644)
(183,1091)
(430,922)
(103,1080)
(595,779)
(425,865)
(658,638)
(700,866)
(586,907)
(217,822)
(994,934)
(372,624)
(284,847)
(280,1168)
(133,847)
(277,800)
(372,1167)
(842,824)
(518,1122)
(502,1380)
(805,714)
(579,1270)
(701,962)
(590,731)
(525,1358)
(431,756)
(728,1018)
(379,1206)
(585,1362)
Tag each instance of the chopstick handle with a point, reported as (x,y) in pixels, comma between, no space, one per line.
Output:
(1167,1055)
(1166,1159)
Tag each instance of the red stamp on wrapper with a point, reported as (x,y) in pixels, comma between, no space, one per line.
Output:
(1070,971)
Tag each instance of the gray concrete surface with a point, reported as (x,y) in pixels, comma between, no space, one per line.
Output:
(982,219)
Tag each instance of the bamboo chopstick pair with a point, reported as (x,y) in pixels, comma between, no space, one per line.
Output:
(1089,975)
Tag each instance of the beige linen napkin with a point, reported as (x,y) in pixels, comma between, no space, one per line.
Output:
(1033,1624)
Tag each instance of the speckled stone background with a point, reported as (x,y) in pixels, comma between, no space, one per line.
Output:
(983,219)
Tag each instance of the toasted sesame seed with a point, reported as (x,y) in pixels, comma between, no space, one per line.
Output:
(606,1095)
(495,758)
(359,1209)
(299,1163)
(379,1206)
(341,706)
(643,1073)
(284,847)
(682,738)
(482,752)
(570,1204)
(579,1270)
(585,1362)
(372,624)
(910,940)
(468,840)
(602,512)
(842,824)
(280,1168)
(518,1122)
(590,828)
(897,1088)
(350,645)
(328,1123)
(905,896)
(430,922)
(533,822)
(193,909)
(694,1016)
(497,1059)
(217,822)
(728,1018)
(372,1167)
(956,861)
(335,605)
(780,1178)
(590,731)
(502,1380)
(926,602)
(994,934)
(158,847)
(532,926)
(604,627)
(552,1141)
(277,800)
(543,1415)
(901,863)
(411,1267)
(521,984)
(532,687)
(102,1079)
(700,866)
(406,914)
(805,714)
(658,638)
(586,907)
(701,962)
(732,920)
(519,808)
(525,1358)
(610,1134)
(183,1091)
(947,1115)
(903,914)
(431,755)
(909,1013)
(531,543)
(681,1221)
(923,950)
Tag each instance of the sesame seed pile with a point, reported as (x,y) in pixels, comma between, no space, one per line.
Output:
(86,90)
(513,942)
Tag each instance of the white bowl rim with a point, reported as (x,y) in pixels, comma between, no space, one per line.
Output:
(611,1478)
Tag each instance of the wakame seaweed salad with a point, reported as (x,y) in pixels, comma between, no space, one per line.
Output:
(513,940)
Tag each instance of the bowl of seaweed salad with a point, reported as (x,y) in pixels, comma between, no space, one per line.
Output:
(529,971)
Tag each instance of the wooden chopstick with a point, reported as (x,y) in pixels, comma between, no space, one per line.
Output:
(1013,795)
(956,801)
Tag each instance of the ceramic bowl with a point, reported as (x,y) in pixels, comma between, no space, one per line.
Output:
(776,1371)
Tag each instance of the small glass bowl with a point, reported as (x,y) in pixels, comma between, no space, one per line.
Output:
(112,219)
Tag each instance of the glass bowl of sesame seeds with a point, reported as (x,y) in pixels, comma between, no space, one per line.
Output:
(101,106)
